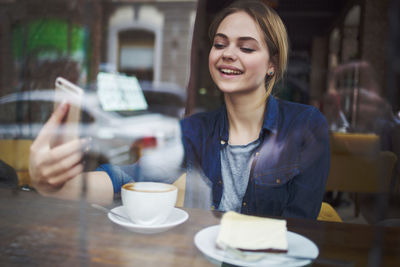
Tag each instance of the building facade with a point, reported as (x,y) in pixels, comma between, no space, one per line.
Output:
(41,40)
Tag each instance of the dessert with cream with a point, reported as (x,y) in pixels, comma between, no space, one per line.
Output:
(251,233)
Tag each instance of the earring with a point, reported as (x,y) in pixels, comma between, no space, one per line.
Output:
(271,73)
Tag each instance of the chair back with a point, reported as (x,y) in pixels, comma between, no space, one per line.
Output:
(180,183)
(328,213)
(358,165)
(15,152)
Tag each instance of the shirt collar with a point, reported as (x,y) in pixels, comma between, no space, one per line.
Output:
(271,115)
(270,122)
(224,128)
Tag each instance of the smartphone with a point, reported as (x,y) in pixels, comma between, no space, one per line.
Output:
(73,94)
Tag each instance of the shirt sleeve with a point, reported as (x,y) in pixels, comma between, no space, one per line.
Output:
(307,189)
(120,175)
(163,164)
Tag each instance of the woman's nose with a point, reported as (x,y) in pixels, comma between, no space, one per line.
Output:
(229,54)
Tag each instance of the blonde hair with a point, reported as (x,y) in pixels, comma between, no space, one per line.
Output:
(273,29)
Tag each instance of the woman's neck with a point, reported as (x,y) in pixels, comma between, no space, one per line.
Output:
(245,116)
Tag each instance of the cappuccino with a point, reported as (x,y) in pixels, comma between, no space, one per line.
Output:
(148,203)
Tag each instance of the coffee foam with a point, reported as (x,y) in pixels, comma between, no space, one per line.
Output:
(148,187)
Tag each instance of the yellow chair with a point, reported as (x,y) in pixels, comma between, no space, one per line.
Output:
(16,154)
(328,213)
(180,183)
(358,165)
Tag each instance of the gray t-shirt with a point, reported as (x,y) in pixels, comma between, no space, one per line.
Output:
(235,168)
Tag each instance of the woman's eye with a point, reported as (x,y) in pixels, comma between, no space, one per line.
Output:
(218,46)
(247,50)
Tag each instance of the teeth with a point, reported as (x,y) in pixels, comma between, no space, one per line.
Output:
(229,71)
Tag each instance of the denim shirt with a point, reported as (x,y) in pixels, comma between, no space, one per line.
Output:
(290,167)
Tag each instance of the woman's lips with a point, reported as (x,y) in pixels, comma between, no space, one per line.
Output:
(229,70)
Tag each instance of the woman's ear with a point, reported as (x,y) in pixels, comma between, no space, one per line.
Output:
(271,70)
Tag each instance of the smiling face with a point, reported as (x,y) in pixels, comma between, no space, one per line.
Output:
(239,59)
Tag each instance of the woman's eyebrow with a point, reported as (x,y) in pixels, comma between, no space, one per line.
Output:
(247,38)
(221,35)
(243,38)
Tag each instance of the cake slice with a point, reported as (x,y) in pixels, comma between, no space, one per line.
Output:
(251,233)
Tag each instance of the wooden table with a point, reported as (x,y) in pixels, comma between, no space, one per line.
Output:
(38,231)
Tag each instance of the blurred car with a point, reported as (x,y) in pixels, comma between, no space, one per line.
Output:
(116,136)
(165,98)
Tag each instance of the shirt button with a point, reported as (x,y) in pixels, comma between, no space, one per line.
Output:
(244,204)
(278,181)
(222,142)
(257,153)
(220,181)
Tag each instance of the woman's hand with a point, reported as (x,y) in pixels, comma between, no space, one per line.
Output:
(50,168)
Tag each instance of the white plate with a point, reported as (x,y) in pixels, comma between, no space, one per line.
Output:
(176,217)
(298,245)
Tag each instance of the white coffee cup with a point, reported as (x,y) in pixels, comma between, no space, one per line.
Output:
(148,203)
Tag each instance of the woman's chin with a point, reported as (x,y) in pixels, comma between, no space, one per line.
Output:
(230,87)
(235,89)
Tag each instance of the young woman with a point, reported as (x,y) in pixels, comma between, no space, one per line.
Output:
(258,155)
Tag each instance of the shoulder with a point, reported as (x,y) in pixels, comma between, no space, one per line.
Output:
(305,114)
(200,122)
(294,106)
(199,129)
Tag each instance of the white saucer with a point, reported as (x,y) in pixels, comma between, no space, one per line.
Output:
(298,245)
(176,217)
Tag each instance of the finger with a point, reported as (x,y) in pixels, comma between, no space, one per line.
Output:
(63,151)
(46,164)
(62,178)
(50,162)
(48,130)
(62,166)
